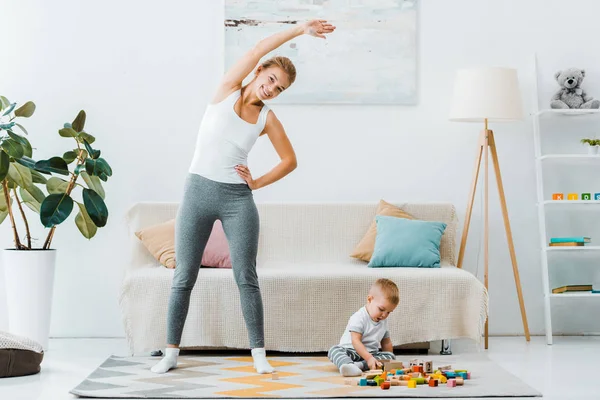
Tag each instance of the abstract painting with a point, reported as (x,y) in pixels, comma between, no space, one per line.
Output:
(371,58)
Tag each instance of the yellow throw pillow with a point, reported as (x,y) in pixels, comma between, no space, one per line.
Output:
(364,248)
(160,242)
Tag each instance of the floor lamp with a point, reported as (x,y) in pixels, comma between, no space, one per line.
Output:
(488,95)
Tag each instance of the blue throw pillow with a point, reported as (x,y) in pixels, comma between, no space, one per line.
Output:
(402,242)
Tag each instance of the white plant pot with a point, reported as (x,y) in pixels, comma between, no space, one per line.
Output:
(593,150)
(29,280)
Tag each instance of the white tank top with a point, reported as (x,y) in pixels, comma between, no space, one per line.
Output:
(224,141)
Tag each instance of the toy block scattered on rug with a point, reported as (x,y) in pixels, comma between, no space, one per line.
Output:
(385,385)
(451,383)
(412,384)
(389,365)
(433,383)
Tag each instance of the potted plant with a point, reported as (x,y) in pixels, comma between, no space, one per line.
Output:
(593,145)
(37,185)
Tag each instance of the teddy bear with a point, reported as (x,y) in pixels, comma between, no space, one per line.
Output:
(571,95)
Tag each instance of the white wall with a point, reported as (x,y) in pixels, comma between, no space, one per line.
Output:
(144,71)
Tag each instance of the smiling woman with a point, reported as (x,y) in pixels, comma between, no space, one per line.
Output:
(219,185)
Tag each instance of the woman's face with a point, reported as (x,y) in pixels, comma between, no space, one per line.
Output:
(270,82)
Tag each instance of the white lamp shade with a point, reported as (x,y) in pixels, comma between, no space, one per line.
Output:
(486,93)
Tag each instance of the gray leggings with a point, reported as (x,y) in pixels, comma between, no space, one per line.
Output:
(340,355)
(204,202)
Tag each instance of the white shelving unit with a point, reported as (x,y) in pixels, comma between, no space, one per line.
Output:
(544,203)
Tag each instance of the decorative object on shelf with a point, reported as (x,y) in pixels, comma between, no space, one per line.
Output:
(586,196)
(570,94)
(572,288)
(596,196)
(572,196)
(558,196)
(579,239)
(482,95)
(566,244)
(593,145)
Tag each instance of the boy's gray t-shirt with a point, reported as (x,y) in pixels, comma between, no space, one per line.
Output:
(372,332)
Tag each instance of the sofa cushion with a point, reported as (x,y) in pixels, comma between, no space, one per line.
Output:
(401,242)
(364,249)
(160,241)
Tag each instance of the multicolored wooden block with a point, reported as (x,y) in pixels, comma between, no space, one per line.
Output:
(586,196)
(558,196)
(572,196)
(433,383)
(459,381)
(385,385)
(428,367)
(362,382)
(403,383)
(463,375)
(396,383)
(451,383)
(468,375)
(379,380)
(371,382)
(412,384)
(596,196)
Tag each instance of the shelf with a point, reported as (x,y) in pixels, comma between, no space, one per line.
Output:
(575,294)
(563,157)
(566,112)
(572,248)
(572,202)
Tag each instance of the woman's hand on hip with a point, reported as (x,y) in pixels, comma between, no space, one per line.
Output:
(318,28)
(245,174)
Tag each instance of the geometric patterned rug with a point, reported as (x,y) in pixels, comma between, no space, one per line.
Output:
(299,377)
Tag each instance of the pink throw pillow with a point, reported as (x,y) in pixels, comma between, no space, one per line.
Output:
(216,253)
(160,242)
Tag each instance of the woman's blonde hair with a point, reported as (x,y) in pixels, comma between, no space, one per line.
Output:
(284,63)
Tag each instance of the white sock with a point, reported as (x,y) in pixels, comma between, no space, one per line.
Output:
(350,370)
(261,364)
(168,362)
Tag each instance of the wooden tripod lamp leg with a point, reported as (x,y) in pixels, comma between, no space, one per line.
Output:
(511,246)
(463,240)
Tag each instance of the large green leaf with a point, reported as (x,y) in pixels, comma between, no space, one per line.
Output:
(13,148)
(67,132)
(84,136)
(69,157)
(20,174)
(99,168)
(53,165)
(38,178)
(26,161)
(9,109)
(4,103)
(57,185)
(26,110)
(32,197)
(93,153)
(22,128)
(3,206)
(79,121)
(55,209)
(11,183)
(85,224)
(93,183)
(27,150)
(4,165)
(96,207)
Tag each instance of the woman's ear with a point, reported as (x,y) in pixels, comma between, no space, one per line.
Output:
(260,68)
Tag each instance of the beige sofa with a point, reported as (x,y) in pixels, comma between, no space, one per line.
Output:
(310,285)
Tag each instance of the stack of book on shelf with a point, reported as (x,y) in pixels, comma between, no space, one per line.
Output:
(569,241)
(572,288)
